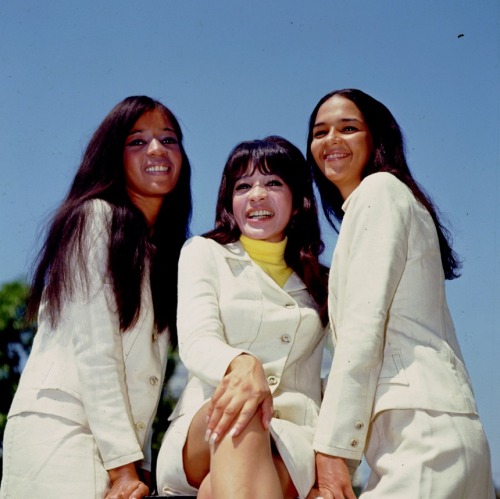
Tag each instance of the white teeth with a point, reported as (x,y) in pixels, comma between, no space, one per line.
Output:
(260,214)
(337,155)
(158,168)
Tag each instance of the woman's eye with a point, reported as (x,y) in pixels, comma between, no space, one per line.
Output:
(169,140)
(319,134)
(349,129)
(241,187)
(275,182)
(136,142)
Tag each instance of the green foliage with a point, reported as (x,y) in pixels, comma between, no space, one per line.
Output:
(16,338)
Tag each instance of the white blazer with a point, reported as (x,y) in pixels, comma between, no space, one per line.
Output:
(395,344)
(228,306)
(87,371)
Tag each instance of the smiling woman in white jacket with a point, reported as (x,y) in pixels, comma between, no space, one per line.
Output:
(105,291)
(251,321)
(398,391)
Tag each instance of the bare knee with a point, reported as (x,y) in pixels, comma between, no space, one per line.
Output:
(196,452)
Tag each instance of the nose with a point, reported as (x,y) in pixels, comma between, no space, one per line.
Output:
(155,148)
(258,192)
(332,135)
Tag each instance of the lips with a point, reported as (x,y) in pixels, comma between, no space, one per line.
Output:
(158,168)
(334,155)
(259,214)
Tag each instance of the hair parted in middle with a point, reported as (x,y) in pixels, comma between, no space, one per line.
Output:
(276,155)
(101,175)
(388,156)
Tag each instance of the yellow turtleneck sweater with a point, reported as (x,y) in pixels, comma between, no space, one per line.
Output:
(270,257)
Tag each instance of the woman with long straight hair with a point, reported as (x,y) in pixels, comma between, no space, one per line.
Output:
(398,390)
(105,291)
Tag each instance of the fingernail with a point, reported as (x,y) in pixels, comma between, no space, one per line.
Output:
(232,432)
(213,438)
(207,435)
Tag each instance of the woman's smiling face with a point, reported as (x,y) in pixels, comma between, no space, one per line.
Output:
(262,206)
(342,143)
(152,160)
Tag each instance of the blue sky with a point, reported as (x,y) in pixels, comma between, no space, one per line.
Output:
(238,70)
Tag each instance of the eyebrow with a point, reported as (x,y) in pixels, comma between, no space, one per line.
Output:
(245,177)
(140,130)
(343,120)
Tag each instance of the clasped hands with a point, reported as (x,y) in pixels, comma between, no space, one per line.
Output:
(126,484)
(333,480)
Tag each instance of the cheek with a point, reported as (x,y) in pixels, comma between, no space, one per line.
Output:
(129,164)
(314,150)
(129,173)
(177,157)
(237,207)
(317,156)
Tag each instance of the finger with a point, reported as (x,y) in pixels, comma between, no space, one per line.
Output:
(313,494)
(141,491)
(218,406)
(267,411)
(349,494)
(327,494)
(222,418)
(247,413)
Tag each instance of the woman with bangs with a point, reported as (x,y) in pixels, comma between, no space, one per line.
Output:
(251,322)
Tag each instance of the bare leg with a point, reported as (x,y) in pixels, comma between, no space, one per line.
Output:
(205,490)
(287,486)
(196,452)
(235,463)
(244,466)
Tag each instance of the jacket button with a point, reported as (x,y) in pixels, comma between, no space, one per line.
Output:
(276,414)
(354,443)
(140,426)
(286,338)
(290,305)
(153,380)
(359,425)
(272,380)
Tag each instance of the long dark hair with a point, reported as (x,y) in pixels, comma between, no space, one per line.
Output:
(101,176)
(388,156)
(275,155)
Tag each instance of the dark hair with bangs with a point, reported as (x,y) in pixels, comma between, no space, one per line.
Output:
(388,156)
(101,175)
(275,155)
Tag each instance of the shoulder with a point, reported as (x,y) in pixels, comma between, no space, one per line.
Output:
(380,188)
(197,243)
(98,209)
(98,215)
(382,181)
(199,247)
(200,244)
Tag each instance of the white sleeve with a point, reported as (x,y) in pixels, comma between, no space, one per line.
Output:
(375,231)
(202,343)
(98,350)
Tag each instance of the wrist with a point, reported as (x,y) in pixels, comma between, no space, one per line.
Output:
(126,471)
(242,361)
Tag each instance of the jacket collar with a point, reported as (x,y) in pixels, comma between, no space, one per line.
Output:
(235,251)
